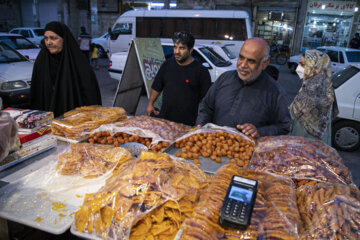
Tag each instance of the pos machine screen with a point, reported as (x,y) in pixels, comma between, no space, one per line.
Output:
(240,194)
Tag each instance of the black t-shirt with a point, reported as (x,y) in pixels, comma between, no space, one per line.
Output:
(355,43)
(183,88)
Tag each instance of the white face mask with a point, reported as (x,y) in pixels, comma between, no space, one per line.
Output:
(300,71)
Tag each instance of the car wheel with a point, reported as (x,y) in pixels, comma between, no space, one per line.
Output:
(293,68)
(101,52)
(346,135)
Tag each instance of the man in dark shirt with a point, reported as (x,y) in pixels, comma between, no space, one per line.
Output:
(355,42)
(183,82)
(248,98)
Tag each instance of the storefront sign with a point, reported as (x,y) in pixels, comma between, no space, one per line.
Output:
(331,7)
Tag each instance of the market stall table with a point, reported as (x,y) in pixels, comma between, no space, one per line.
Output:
(28,198)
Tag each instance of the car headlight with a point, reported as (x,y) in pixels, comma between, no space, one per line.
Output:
(13,85)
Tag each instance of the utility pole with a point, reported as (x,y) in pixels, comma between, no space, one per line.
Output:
(35,8)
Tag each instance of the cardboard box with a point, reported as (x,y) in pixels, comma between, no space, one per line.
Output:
(31,136)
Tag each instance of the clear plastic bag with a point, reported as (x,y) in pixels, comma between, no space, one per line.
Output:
(147,197)
(85,119)
(154,133)
(216,143)
(8,132)
(329,211)
(46,198)
(275,214)
(90,160)
(304,160)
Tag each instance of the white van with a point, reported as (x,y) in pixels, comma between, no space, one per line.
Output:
(207,27)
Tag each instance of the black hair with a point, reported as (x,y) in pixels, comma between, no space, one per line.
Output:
(185,38)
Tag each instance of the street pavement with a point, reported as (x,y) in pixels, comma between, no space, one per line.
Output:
(289,81)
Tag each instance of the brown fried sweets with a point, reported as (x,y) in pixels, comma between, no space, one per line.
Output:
(304,160)
(120,138)
(85,119)
(275,214)
(147,198)
(89,160)
(154,133)
(163,128)
(215,145)
(329,211)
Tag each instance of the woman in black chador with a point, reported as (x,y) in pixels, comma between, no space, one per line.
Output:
(62,77)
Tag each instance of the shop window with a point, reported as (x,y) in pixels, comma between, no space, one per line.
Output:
(326,30)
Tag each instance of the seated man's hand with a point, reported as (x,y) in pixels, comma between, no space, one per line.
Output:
(150,109)
(249,129)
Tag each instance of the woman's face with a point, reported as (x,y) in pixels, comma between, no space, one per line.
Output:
(302,61)
(53,42)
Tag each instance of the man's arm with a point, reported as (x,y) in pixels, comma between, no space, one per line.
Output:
(206,107)
(281,119)
(150,107)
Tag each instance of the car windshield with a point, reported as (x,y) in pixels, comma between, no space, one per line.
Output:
(215,58)
(8,55)
(342,76)
(228,52)
(39,32)
(353,56)
(18,42)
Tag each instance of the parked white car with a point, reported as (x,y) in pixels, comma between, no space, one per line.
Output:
(204,54)
(21,44)
(346,127)
(340,58)
(15,77)
(34,34)
(225,51)
(102,44)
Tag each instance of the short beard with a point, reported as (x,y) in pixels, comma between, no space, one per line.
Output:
(250,80)
(182,60)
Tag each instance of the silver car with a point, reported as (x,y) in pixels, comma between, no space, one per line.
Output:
(15,77)
(21,44)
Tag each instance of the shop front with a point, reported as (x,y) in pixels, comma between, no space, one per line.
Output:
(328,23)
(276,26)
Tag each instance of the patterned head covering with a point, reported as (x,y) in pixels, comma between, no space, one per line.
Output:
(313,103)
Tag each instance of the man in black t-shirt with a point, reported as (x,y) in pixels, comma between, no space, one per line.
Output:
(355,42)
(182,81)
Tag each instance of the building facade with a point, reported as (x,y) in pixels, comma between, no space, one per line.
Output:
(295,25)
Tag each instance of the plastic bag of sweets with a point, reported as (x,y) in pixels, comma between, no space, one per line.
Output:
(156,134)
(147,198)
(275,214)
(306,161)
(8,132)
(329,211)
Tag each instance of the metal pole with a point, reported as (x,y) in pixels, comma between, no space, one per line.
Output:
(35,8)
